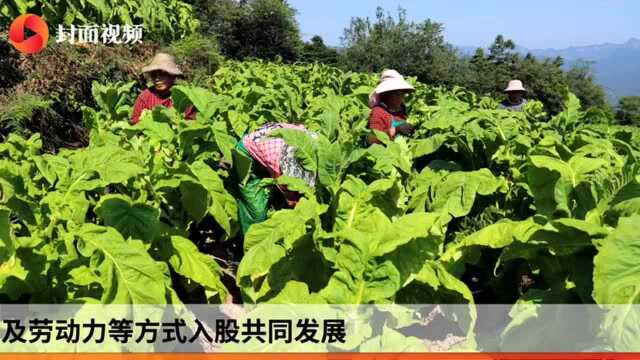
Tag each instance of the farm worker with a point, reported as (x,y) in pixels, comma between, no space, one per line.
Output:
(163,71)
(258,156)
(388,113)
(515,96)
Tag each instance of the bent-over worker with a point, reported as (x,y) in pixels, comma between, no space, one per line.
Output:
(266,157)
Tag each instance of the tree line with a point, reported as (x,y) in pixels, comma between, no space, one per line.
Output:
(267,29)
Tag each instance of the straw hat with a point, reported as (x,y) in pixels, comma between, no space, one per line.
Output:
(515,85)
(390,80)
(164,62)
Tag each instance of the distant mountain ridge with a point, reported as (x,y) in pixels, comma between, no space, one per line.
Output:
(616,66)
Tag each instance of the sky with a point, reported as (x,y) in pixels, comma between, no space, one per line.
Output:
(536,24)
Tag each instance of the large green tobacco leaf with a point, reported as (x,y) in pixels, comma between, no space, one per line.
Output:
(156,124)
(552,181)
(296,293)
(112,98)
(113,164)
(396,155)
(223,207)
(457,192)
(195,199)
(305,145)
(616,285)
(498,235)
(625,202)
(616,277)
(69,206)
(330,163)
(359,279)
(571,115)
(10,264)
(269,242)
(284,226)
(132,219)
(403,230)
(357,201)
(535,326)
(128,274)
(7,243)
(203,100)
(188,261)
(428,146)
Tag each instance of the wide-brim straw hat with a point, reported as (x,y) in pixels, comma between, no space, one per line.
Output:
(515,85)
(390,80)
(164,62)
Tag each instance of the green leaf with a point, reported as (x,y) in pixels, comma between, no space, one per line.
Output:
(296,293)
(114,165)
(496,236)
(195,199)
(7,242)
(268,242)
(128,274)
(82,276)
(132,219)
(428,146)
(552,180)
(202,99)
(223,207)
(70,206)
(304,144)
(456,192)
(403,230)
(330,163)
(285,226)
(154,126)
(188,261)
(616,277)
(225,143)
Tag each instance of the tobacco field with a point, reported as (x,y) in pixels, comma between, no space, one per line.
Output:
(480,206)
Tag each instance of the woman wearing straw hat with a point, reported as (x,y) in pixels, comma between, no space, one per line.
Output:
(388,113)
(163,71)
(515,92)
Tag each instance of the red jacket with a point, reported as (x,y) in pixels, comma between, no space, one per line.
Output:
(381,119)
(149,99)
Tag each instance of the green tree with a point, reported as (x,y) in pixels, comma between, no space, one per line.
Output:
(581,81)
(544,80)
(264,29)
(217,16)
(629,110)
(416,49)
(491,71)
(317,51)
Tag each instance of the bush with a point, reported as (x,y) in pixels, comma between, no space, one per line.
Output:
(9,73)
(198,56)
(263,29)
(62,75)
(16,116)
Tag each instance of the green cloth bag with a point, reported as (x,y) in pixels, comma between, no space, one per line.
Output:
(253,204)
